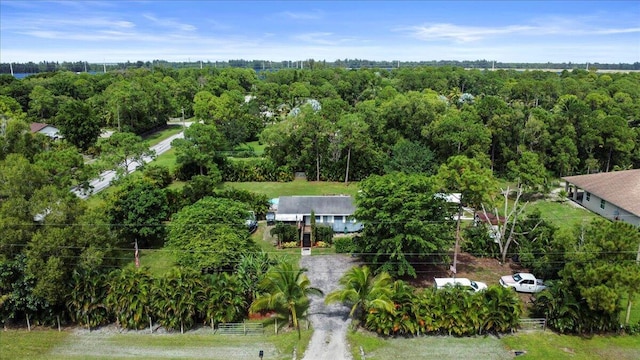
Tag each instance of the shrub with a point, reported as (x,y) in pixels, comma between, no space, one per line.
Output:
(322,244)
(344,244)
(255,170)
(325,234)
(290,245)
(285,233)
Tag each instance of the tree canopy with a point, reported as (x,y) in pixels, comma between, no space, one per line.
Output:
(404,223)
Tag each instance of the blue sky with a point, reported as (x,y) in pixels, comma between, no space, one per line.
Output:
(506,31)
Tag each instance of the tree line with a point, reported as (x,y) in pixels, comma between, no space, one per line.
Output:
(258,65)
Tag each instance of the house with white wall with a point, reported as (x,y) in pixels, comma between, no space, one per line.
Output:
(613,195)
(333,210)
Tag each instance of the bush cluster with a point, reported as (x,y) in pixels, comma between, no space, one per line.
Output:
(344,245)
(255,170)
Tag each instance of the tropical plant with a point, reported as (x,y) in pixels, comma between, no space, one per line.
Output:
(363,291)
(558,305)
(223,299)
(503,309)
(251,270)
(129,297)
(176,297)
(286,291)
(86,300)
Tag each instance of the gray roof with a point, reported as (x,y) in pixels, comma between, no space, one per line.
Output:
(320,205)
(620,188)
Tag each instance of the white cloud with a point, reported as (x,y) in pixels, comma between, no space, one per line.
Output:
(558,26)
(314,15)
(462,33)
(169,23)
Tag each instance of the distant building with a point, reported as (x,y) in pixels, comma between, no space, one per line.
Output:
(46,129)
(613,195)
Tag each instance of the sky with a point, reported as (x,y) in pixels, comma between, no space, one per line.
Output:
(503,31)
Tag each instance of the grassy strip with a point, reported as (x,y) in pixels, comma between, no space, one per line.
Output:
(22,344)
(426,347)
(51,344)
(297,187)
(548,345)
(158,136)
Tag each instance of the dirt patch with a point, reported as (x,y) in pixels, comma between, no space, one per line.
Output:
(487,270)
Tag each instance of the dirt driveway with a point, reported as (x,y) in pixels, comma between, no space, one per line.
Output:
(330,323)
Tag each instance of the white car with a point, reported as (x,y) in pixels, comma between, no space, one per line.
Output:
(523,282)
(464,282)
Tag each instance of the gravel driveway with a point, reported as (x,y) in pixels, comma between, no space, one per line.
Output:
(330,323)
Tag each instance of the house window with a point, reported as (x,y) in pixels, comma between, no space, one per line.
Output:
(602,204)
(588,196)
(327,219)
(318,218)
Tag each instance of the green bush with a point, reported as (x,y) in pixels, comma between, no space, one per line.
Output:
(478,242)
(255,170)
(344,244)
(325,234)
(285,233)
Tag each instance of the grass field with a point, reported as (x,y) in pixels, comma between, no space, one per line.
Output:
(563,214)
(199,344)
(548,345)
(297,187)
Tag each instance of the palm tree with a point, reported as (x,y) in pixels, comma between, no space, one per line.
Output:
(175,299)
(286,290)
(559,306)
(504,308)
(224,299)
(86,300)
(363,291)
(129,297)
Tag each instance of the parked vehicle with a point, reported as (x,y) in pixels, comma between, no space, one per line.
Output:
(439,283)
(271,218)
(251,222)
(523,282)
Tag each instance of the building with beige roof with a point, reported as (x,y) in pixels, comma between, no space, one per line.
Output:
(613,195)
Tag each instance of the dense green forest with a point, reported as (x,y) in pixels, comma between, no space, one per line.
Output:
(58,255)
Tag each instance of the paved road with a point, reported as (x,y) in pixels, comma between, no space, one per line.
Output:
(104,180)
(330,323)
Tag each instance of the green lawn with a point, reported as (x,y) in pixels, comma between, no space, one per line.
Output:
(51,344)
(22,344)
(159,261)
(548,345)
(562,214)
(297,187)
(538,345)
(254,146)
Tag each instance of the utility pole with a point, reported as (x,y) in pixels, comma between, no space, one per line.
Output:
(183,125)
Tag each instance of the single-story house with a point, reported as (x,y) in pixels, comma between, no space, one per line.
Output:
(45,129)
(333,210)
(613,195)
